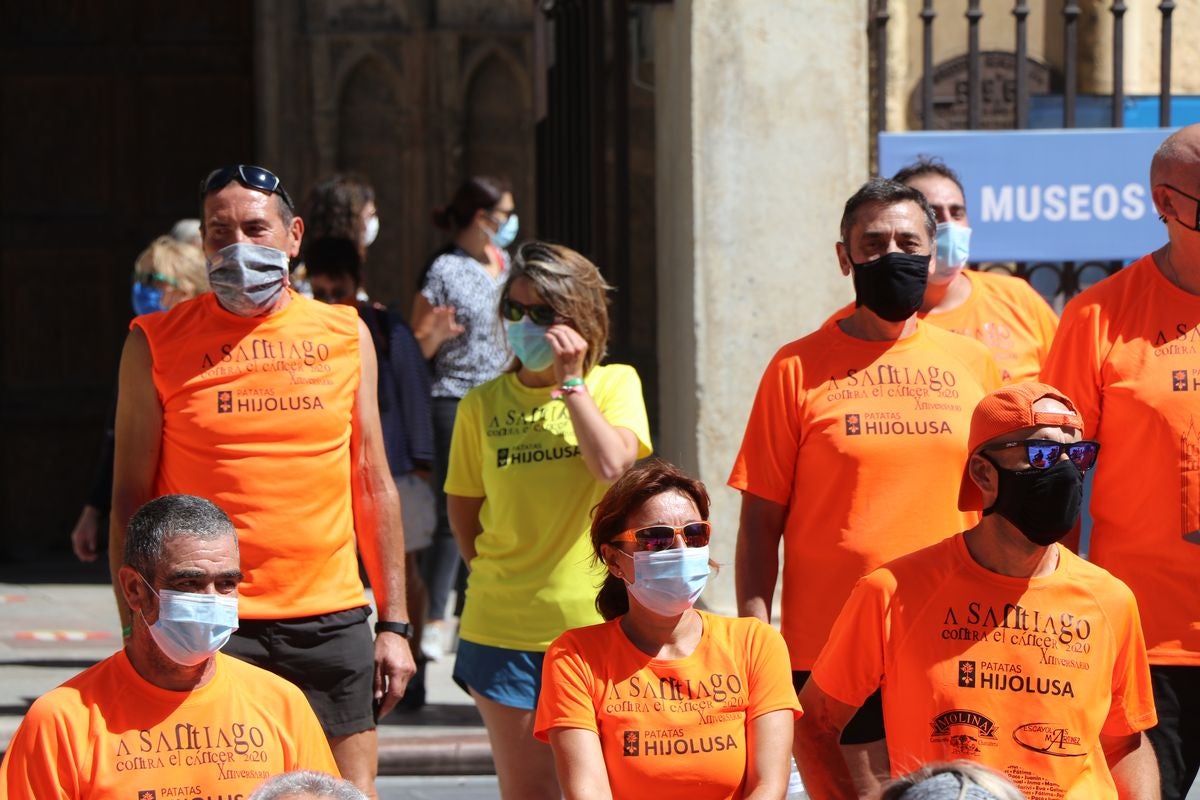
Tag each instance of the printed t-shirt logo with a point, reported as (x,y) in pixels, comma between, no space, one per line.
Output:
(964,731)
(1049,738)
(966,674)
(853,425)
(147,794)
(630,743)
(502,457)
(224,403)
(1179,380)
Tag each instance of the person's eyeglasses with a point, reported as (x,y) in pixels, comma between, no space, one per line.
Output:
(249,176)
(1043,453)
(1191,197)
(661,537)
(513,311)
(151,278)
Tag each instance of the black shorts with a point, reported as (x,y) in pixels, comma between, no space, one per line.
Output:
(1176,737)
(867,723)
(330,657)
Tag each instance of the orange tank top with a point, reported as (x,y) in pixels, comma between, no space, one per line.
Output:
(256,418)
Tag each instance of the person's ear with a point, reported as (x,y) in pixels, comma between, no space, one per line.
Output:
(983,472)
(613,561)
(137,594)
(843,257)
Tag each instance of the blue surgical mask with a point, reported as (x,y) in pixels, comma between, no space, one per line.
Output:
(506,233)
(146,299)
(248,278)
(528,341)
(668,582)
(191,627)
(953,250)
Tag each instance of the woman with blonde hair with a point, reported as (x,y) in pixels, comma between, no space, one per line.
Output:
(533,451)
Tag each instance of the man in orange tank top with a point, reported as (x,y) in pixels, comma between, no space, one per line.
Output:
(264,402)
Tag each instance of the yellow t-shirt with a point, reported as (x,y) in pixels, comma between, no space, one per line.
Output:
(533,576)
(864,442)
(1022,675)
(1128,355)
(669,729)
(107,733)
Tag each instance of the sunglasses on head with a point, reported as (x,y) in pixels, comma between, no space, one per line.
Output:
(249,176)
(1043,453)
(661,537)
(513,311)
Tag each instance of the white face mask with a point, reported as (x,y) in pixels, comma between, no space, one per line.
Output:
(371,231)
(669,582)
(191,627)
(248,278)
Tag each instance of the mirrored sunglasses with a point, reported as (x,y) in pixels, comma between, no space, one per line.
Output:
(1043,453)
(151,278)
(662,537)
(247,175)
(513,311)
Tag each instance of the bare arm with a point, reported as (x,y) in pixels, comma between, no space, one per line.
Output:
(138,442)
(757,561)
(1133,765)
(433,325)
(768,746)
(464,523)
(580,764)
(378,527)
(818,754)
(607,451)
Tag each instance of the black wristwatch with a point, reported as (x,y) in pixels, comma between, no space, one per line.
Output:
(405,629)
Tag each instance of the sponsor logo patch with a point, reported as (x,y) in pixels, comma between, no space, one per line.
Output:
(1049,738)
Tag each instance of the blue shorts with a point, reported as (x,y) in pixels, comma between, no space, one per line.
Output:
(508,677)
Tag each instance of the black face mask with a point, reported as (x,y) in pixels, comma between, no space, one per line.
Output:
(893,285)
(1043,504)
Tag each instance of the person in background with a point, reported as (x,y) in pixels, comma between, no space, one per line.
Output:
(168,709)
(188,232)
(166,273)
(340,207)
(725,716)
(533,451)
(837,415)
(454,318)
(334,272)
(1000,310)
(306,785)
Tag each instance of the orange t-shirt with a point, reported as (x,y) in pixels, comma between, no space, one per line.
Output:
(1128,355)
(864,442)
(1022,675)
(668,728)
(1006,314)
(256,418)
(107,733)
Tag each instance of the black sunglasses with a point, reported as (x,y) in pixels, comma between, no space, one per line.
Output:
(1043,453)
(249,176)
(661,537)
(512,311)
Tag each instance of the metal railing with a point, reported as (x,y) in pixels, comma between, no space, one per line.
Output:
(1057,281)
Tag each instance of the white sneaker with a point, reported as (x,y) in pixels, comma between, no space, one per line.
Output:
(432,646)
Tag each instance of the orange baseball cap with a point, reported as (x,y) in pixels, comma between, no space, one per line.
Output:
(1007,409)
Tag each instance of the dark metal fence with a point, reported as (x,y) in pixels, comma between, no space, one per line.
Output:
(1057,281)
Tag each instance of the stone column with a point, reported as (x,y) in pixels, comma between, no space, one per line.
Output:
(761,135)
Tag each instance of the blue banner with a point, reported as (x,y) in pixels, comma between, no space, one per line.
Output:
(1043,195)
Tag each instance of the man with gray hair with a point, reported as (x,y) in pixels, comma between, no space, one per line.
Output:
(168,711)
(305,785)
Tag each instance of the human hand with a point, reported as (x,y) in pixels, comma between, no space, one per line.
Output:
(394,668)
(442,325)
(570,350)
(85,534)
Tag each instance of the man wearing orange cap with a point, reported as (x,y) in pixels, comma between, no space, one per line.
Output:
(997,645)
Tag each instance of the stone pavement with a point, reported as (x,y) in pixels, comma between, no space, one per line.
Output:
(57,620)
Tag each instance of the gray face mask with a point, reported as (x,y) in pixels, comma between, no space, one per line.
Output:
(248,278)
